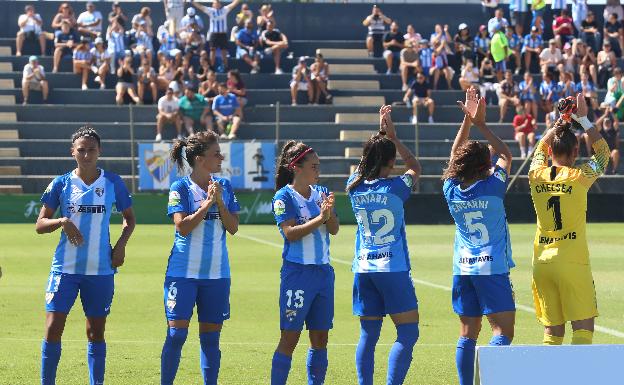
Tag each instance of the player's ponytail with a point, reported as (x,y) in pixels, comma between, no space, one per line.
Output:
(564,141)
(378,152)
(470,161)
(293,153)
(185,150)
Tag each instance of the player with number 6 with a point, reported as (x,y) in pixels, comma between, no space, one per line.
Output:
(474,188)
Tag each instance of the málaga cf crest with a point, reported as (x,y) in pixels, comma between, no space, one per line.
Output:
(158,164)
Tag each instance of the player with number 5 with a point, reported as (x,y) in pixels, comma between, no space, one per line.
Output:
(382,283)
(474,188)
(304,212)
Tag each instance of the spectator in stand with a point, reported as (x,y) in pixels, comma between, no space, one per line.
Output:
(146,78)
(419,94)
(64,41)
(579,13)
(425,54)
(589,32)
(191,78)
(441,34)
(563,28)
(117,13)
(606,61)
(274,43)
(614,33)
(319,75)
(586,59)
(489,7)
(531,48)
(82,60)
(189,23)
(482,44)
(168,113)
(613,6)
(66,14)
(166,72)
(464,43)
(177,83)
(174,11)
(247,46)
(537,11)
(441,65)
(570,60)
(167,38)
(497,20)
(469,76)
(588,89)
(549,92)
(218,30)
(34,79)
(608,126)
(500,52)
(100,64)
(236,87)
(524,125)
(116,38)
(487,78)
(507,95)
(412,36)
(300,81)
(204,68)
(30,27)
(558,5)
(566,86)
(227,112)
(614,89)
(143,47)
(125,82)
(394,42)
(145,16)
(265,15)
(90,22)
(195,111)
(519,13)
(528,94)
(376,24)
(515,45)
(409,65)
(209,89)
(242,17)
(551,59)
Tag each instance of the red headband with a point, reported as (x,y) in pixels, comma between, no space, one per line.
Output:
(299,157)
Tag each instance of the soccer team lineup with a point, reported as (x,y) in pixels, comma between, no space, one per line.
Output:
(204,212)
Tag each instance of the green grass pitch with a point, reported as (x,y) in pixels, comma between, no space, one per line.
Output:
(136,326)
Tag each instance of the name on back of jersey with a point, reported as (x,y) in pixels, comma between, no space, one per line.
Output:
(382,199)
(553,187)
(549,240)
(472,204)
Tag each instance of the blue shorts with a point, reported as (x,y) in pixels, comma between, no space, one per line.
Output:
(240,52)
(500,66)
(212,297)
(306,295)
(378,294)
(477,295)
(96,293)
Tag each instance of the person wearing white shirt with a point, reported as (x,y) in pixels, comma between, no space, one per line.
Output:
(218,29)
(174,10)
(168,109)
(498,19)
(33,78)
(613,6)
(187,23)
(551,59)
(90,21)
(30,27)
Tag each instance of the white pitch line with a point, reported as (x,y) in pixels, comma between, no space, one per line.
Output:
(528,309)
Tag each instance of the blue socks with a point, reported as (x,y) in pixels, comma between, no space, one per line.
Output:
(317,366)
(210,356)
(500,340)
(401,353)
(96,357)
(50,356)
(171,352)
(464,358)
(280,368)
(365,351)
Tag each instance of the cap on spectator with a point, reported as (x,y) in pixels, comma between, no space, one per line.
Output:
(302,59)
(33,59)
(534,29)
(482,28)
(98,40)
(462,26)
(190,11)
(567,46)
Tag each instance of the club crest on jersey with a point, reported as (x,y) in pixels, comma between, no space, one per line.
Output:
(500,175)
(48,297)
(174,198)
(99,191)
(279,207)
(291,314)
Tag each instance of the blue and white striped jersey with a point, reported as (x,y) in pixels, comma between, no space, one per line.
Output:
(218,19)
(203,253)
(313,249)
(116,42)
(89,207)
(380,243)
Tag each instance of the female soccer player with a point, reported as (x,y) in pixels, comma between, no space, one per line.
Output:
(203,208)
(84,260)
(304,212)
(563,288)
(474,189)
(382,283)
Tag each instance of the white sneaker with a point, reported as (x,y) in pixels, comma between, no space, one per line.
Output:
(254,71)
(158,137)
(102,86)
(94,69)
(278,71)
(293,103)
(431,119)
(414,119)
(84,87)
(404,88)
(97,79)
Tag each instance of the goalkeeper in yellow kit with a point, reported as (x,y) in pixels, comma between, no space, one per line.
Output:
(563,288)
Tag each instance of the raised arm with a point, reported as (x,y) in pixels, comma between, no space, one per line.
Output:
(230,7)
(470,104)
(386,125)
(595,166)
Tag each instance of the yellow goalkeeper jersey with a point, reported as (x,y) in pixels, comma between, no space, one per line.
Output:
(560,200)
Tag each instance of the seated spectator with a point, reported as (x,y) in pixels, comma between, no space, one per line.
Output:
(441,34)
(507,95)
(440,65)
(116,38)
(551,59)
(241,19)
(145,17)
(204,68)
(515,45)
(570,60)
(500,52)
(566,85)
(227,112)
(549,92)
(30,27)
(195,111)
(497,20)
(143,41)
(531,48)
(487,78)
(419,94)
(614,33)
(469,76)
(590,33)
(168,40)
(177,84)
(524,125)
(586,59)
(125,82)
(393,43)
(300,81)
(376,24)
(34,79)
(193,47)
(146,78)
(64,41)
(588,89)
(412,36)
(209,89)
(166,72)
(528,94)
(90,22)
(425,55)
(274,42)
(247,46)
(608,126)
(191,78)
(168,108)
(320,76)
(82,60)
(606,61)
(464,44)
(65,14)
(189,23)
(563,28)
(100,64)
(265,15)
(482,44)
(409,64)
(614,89)
(236,86)
(117,13)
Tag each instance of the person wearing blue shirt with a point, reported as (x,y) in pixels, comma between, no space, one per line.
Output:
(382,282)
(84,261)
(531,47)
(549,91)
(475,190)
(247,46)
(226,110)
(203,208)
(304,213)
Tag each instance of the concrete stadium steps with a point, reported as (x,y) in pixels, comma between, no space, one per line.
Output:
(11,189)
(344,53)
(335,85)
(375,101)
(9,134)
(351,69)
(9,169)
(9,152)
